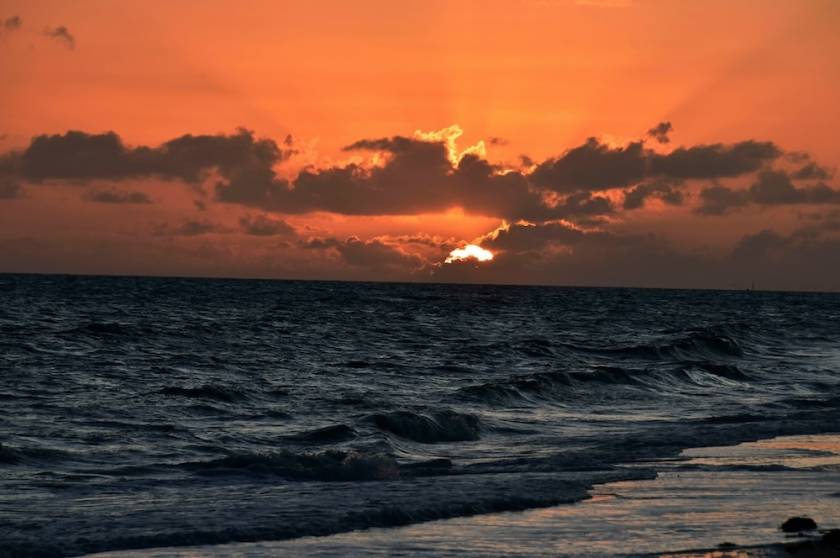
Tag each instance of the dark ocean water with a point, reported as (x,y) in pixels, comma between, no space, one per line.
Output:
(154,412)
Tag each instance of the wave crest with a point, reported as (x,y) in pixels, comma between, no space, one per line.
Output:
(326,466)
(441,426)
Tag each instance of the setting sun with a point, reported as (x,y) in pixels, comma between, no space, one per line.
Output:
(470,251)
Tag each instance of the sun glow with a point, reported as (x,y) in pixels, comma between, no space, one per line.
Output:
(469,251)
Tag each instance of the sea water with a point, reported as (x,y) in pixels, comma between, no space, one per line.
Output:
(151,412)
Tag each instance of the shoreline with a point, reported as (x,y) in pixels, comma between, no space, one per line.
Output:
(738,494)
(812,547)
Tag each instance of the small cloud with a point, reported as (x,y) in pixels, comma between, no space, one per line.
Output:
(772,187)
(318,243)
(262,225)
(372,254)
(660,132)
(812,171)
(667,191)
(12,23)
(9,189)
(719,200)
(116,196)
(62,35)
(605,3)
(192,228)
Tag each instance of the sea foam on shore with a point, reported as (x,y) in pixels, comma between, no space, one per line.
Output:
(730,494)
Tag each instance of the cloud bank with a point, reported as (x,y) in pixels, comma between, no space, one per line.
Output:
(561,217)
(421,175)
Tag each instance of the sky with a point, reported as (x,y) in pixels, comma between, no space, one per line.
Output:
(637,143)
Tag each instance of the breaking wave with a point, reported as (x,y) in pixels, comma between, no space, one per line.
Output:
(328,466)
(439,426)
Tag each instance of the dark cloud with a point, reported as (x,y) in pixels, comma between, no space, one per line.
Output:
(805,259)
(660,132)
(714,161)
(718,200)
(117,196)
(9,183)
(419,176)
(373,254)
(582,204)
(10,164)
(773,187)
(812,171)
(416,178)
(319,243)
(62,35)
(79,156)
(666,191)
(438,244)
(523,237)
(480,187)
(765,245)
(593,166)
(263,225)
(832,217)
(12,23)
(424,239)
(9,189)
(192,228)
(562,254)
(546,241)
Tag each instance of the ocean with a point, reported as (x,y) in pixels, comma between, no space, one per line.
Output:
(157,412)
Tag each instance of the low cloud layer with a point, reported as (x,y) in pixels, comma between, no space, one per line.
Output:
(559,253)
(9,189)
(192,227)
(772,187)
(117,196)
(263,225)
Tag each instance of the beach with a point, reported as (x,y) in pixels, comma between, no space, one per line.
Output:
(723,502)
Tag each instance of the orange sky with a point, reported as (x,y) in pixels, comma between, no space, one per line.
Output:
(540,76)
